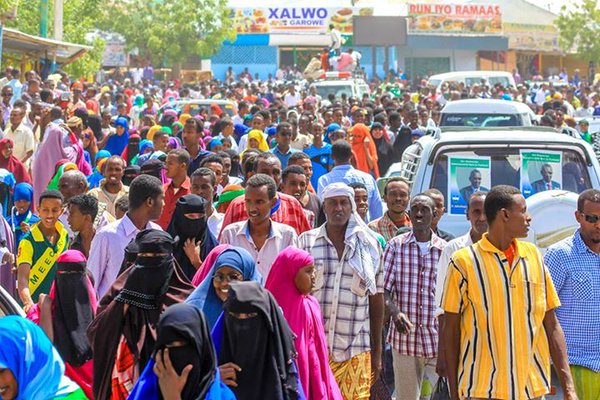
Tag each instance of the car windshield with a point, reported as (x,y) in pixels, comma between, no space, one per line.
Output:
(458,173)
(337,90)
(481,120)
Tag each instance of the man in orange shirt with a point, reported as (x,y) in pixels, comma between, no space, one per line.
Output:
(176,168)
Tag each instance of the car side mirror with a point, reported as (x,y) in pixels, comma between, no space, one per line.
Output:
(381,182)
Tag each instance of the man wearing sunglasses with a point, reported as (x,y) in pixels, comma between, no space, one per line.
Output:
(574,265)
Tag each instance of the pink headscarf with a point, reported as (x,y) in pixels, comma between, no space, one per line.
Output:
(207,264)
(303,315)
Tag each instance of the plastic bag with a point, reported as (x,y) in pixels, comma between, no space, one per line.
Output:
(441,391)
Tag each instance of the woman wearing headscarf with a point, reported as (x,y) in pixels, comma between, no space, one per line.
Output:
(229,193)
(233,264)
(96,176)
(290,281)
(255,346)
(155,167)
(146,146)
(256,140)
(60,168)
(11,163)
(65,315)
(123,334)
(208,263)
(130,173)
(31,366)
(132,149)
(188,227)
(115,144)
(173,143)
(364,150)
(22,217)
(7,246)
(90,148)
(50,151)
(385,147)
(183,341)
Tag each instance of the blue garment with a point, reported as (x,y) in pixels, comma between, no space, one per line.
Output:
(283,157)
(115,143)
(330,128)
(321,161)
(348,174)
(145,145)
(146,387)
(96,176)
(23,191)
(195,163)
(575,271)
(28,353)
(204,296)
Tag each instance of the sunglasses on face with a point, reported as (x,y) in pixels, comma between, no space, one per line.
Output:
(592,219)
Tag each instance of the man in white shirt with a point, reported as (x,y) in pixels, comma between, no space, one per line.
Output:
(260,235)
(204,184)
(21,135)
(476,216)
(146,202)
(292,98)
(336,39)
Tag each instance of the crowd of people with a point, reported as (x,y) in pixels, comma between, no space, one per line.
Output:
(250,255)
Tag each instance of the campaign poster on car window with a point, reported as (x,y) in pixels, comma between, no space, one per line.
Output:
(467,174)
(540,171)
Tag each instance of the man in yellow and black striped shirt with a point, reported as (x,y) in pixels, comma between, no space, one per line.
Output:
(500,328)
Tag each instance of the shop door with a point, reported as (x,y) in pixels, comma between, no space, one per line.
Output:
(302,57)
(426,66)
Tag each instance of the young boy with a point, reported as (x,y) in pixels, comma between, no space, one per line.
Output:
(40,248)
(82,213)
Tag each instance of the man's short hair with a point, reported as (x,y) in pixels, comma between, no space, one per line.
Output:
(292,169)
(473,172)
(425,195)
(51,194)
(283,125)
(501,196)
(122,204)
(395,179)
(357,185)
(183,157)
(265,156)
(203,171)
(341,151)
(591,195)
(116,158)
(211,158)
(433,191)
(259,180)
(478,193)
(87,204)
(296,157)
(142,188)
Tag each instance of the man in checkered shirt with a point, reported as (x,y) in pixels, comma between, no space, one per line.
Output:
(410,270)
(349,287)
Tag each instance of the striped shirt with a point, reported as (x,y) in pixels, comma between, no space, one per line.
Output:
(575,271)
(504,351)
(410,276)
(341,294)
(386,227)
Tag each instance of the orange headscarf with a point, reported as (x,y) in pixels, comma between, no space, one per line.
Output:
(360,134)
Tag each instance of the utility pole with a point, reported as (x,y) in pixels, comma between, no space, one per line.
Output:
(58,19)
(44,18)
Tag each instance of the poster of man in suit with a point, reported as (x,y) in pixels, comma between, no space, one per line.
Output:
(540,171)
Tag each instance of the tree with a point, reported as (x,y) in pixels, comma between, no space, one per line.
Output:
(579,29)
(170,31)
(79,18)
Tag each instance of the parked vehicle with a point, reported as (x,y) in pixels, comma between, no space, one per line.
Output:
(486,113)
(8,305)
(469,78)
(339,83)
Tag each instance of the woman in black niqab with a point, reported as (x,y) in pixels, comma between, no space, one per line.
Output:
(189,222)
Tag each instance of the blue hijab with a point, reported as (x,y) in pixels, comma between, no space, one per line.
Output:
(96,176)
(28,353)
(145,145)
(330,128)
(115,143)
(204,296)
(23,191)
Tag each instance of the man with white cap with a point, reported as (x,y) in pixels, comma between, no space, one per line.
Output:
(349,287)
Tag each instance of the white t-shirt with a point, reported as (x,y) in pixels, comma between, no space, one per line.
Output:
(292,99)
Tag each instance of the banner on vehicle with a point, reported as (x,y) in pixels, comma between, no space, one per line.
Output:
(294,20)
(467,175)
(478,19)
(540,171)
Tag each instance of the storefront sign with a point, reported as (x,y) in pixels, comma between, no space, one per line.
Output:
(286,20)
(540,171)
(531,37)
(114,54)
(477,19)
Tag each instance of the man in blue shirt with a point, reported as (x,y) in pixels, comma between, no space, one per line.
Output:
(574,265)
(341,152)
(283,137)
(319,153)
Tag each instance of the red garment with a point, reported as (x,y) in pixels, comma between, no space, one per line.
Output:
(171,198)
(123,372)
(290,212)
(13,164)
(360,135)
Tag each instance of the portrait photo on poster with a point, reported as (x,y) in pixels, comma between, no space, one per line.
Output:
(541,170)
(467,175)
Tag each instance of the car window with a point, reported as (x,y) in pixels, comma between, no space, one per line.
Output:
(481,120)
(337,90)
(493,80)
(519,167)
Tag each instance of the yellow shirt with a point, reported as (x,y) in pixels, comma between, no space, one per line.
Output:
(504,351)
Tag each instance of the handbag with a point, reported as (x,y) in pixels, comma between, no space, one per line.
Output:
(441,391)
(379,390)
